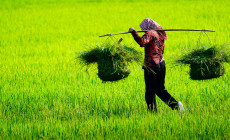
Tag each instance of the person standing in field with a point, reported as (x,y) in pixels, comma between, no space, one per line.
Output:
(154,68)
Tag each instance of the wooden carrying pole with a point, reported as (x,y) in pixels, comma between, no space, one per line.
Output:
(204,30)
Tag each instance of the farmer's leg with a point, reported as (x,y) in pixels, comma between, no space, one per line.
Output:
(155,103)
(150,97)
(160,88)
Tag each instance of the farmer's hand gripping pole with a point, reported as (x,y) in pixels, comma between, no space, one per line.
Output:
(204,30)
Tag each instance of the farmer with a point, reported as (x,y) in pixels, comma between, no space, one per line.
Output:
(154,68)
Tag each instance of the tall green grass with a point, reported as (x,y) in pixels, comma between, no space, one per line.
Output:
(45,93)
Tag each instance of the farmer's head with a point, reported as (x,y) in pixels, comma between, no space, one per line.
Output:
(149,24)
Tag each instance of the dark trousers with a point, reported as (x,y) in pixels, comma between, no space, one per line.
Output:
(154,82)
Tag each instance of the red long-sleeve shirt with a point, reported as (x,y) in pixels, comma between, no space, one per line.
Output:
(153,42)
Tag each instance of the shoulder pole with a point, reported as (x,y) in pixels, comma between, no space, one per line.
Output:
(204,30)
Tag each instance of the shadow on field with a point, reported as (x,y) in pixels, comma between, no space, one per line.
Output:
(118,110)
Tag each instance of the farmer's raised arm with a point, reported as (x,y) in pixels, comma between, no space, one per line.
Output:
(142,41)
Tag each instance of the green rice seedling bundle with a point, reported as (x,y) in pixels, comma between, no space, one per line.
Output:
(206,63)
(112,59)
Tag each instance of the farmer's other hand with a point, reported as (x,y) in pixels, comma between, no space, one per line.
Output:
(131,29)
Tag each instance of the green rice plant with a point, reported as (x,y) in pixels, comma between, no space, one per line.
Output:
(206,63)
(44,95)
(112,59)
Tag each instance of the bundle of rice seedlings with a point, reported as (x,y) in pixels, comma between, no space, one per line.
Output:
(206,63)
(112,59)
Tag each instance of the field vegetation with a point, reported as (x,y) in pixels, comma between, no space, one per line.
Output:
(45,93)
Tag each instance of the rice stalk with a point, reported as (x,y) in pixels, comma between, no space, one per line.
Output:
(112,59)
(206,63)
